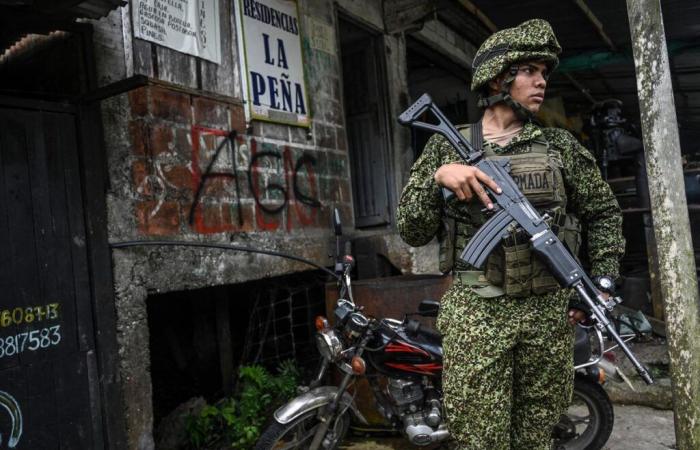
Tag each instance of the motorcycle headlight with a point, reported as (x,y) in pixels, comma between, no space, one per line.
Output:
(329,344)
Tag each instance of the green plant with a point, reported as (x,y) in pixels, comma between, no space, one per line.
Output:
(236,422)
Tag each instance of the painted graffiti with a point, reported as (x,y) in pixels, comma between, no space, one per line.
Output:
(274,194)
(10,405)
(30,340)
(291,171)
(34,340)
(196,218)
(21,315)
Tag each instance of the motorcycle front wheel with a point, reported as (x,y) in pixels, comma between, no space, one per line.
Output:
(588,423)
(299,433)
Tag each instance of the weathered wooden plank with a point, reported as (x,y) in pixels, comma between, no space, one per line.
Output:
(176,67)
(70,378)
(47,227)
(110,54)
(92,155)
(75,243)
(15,143)
(53,220)
(219,78)
(139,53)
(143,53)
(128,40)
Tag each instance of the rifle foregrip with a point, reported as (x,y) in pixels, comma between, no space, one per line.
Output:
(415,110)
(561,264)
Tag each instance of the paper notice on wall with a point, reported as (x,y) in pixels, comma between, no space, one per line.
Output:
(188,26)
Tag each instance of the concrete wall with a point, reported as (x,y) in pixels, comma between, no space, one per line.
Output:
(160,140)
(161,137)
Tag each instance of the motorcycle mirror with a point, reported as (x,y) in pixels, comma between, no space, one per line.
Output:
(337,226)
(428,308)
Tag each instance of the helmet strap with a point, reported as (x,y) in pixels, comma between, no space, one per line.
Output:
(521,112)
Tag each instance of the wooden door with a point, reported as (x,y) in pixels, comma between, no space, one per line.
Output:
(48,372)
(366,130)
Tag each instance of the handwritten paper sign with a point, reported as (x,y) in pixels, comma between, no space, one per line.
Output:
(188,26)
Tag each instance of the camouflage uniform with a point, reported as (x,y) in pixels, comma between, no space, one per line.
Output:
(508,371)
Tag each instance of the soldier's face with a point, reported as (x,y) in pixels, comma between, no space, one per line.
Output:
(529,85)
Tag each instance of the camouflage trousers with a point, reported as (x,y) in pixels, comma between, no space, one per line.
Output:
(508,368)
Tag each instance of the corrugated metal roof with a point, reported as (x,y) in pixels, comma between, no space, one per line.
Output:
(19,18)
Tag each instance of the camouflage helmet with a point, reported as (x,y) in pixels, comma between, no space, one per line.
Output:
(531,40)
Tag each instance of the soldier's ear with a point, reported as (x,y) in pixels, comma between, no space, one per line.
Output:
(495,85)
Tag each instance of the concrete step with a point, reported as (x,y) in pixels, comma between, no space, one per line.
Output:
(636,428)
(654,355)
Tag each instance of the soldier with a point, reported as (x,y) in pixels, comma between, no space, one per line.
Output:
(507,336)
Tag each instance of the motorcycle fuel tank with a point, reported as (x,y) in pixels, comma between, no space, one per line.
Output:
(401,355)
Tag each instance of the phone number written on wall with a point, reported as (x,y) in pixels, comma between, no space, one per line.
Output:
(33,340)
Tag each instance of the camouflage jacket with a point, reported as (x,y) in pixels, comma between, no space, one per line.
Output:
(589,197)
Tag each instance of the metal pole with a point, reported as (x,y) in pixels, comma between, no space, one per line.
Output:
(677,271)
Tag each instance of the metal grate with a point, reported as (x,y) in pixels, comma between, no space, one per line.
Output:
(281,325)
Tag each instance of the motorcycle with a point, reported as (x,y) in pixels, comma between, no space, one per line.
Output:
(402,361)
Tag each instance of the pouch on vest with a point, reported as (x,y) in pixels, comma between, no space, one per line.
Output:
(538,174)
(570,234)
(521,273)
(518,271)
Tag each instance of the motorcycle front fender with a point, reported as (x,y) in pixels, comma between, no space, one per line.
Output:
(313,399)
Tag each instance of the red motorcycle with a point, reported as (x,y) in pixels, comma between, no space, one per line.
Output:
(402,361)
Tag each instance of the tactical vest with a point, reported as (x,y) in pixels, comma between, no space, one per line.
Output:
(512,267)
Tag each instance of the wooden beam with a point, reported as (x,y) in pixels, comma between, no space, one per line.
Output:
(596,23)
(677,271)
(471,7)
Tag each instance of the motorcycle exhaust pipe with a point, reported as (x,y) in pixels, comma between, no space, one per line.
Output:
(615,373)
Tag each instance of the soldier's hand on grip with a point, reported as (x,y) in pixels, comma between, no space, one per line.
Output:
(466,182)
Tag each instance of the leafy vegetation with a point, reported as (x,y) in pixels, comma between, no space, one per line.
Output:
(236,422)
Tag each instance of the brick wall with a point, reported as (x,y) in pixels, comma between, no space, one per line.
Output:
(274,179)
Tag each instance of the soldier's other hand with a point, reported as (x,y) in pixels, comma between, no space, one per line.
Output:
(576,316)
(466,182)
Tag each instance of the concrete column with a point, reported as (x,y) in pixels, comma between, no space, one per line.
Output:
(677,271)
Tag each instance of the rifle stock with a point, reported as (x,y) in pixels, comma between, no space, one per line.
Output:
(513,206)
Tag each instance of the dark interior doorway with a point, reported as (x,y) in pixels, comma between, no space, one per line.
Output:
(200,338)
(364,99)
(445,81)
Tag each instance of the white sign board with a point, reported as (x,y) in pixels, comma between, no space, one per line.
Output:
(272,60)
(188,26)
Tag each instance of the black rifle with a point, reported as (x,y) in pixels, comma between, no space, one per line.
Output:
(512,206)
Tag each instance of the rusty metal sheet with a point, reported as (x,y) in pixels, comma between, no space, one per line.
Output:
(387,297)
(393,296)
